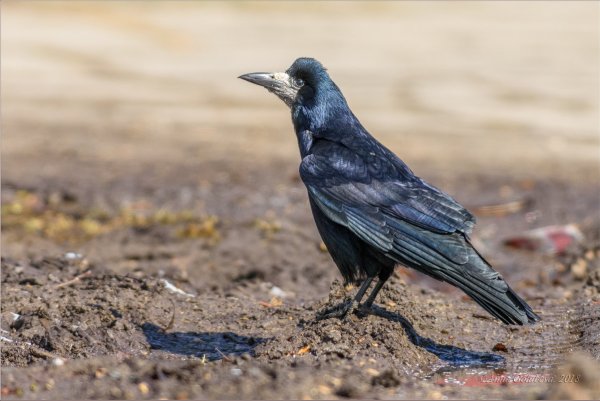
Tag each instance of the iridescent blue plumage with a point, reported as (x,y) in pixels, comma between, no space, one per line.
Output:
(372,212)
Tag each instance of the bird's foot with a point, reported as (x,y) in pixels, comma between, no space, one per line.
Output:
(340,311)
(364,310)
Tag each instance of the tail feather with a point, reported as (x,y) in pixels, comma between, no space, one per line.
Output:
(506,306)
(476,278)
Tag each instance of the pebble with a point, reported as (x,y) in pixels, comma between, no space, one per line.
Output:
(500,347)
(144,388)
(579,269)
(116,392)
(73,255)
(278,292)
(58,362)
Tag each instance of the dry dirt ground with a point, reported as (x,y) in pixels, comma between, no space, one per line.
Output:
(157,241)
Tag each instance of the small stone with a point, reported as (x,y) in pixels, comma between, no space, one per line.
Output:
(500,347)
(58,362)
(144,388)
(116,392)
(73,255)
(275,302)
(579,269)
(303,350)
(278,292)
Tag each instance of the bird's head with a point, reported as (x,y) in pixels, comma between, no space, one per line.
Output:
(302,80)
(317,104)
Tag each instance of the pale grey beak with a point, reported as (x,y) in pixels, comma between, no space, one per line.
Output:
(278,83)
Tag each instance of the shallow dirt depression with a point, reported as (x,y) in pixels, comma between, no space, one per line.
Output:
(157,241)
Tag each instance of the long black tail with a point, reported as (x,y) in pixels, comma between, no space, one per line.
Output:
(495,297)
(509,307)
(454,260)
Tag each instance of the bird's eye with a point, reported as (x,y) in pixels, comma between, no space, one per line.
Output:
(298,82)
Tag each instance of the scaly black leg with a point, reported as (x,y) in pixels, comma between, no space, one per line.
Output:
(369,302)
(383,276)
(348,306)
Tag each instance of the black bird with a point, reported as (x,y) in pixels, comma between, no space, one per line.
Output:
(371,210)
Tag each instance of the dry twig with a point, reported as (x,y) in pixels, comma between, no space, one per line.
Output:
(74,279)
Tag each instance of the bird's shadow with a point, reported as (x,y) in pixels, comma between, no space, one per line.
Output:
(210,345)
(456,357)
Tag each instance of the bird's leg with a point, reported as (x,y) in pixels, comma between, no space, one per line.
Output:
(369,302)
(347,307)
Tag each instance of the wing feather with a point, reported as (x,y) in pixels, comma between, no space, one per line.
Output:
(339,174)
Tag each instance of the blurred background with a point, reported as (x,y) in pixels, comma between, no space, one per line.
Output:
(130,114)
(143,182)
(466,86)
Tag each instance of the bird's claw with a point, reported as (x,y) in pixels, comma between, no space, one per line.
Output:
(364,310)
(340,311)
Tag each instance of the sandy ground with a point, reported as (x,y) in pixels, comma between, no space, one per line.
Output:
(133,160)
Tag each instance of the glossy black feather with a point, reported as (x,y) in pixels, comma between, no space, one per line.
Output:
(373,212)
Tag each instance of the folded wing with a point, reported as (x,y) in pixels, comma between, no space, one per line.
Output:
(408,220)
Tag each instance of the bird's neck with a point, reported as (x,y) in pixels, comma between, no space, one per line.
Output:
(324,118)
(335,124)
